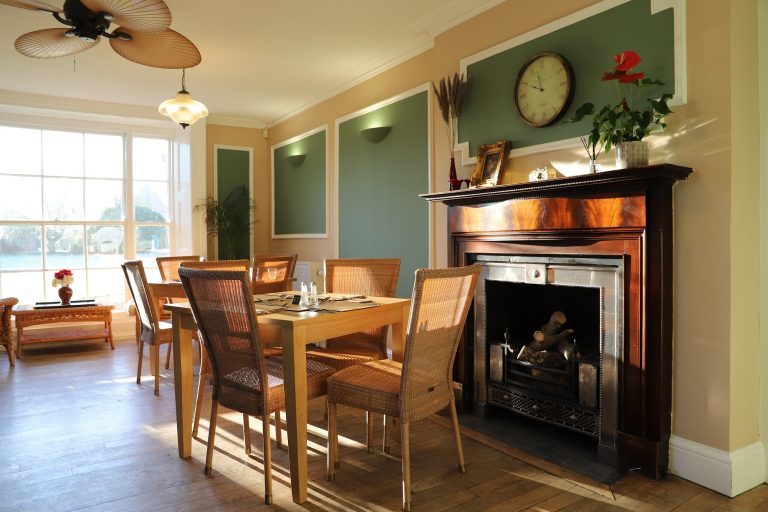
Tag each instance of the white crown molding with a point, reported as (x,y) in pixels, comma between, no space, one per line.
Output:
(681,70)
(23,103)
(240,122)
(441,23)
(729,473)
(380,69)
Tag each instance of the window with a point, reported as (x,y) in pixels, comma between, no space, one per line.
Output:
(65,198)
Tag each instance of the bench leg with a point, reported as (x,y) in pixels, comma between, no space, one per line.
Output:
(19,333)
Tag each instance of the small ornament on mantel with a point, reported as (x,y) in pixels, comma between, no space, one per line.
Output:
(542,173)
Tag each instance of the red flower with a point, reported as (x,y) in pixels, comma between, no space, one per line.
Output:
(612,76)
(61,273)
(626,60)
(632,77)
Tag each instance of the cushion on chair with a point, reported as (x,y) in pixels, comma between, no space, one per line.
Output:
(373,386)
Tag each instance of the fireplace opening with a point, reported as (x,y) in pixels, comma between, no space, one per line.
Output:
(548,334)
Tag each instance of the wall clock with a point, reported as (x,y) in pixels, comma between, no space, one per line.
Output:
(544,89)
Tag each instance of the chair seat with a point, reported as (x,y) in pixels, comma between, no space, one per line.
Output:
(373,386)
(240,389)
(339,358)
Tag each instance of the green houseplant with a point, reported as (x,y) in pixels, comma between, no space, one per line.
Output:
(229,220)
(622,124)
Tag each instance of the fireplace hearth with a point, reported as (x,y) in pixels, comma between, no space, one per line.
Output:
(599,249)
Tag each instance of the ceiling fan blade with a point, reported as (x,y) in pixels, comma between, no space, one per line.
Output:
(167,49)
(139,15)
(32,5)
(49,43)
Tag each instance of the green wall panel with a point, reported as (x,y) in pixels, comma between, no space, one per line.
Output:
(589,45)
(299,191)
(233,171)
(380,212)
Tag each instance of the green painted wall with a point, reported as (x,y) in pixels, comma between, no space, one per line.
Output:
(380,212)
(589,45)
(233,171)
(299,191)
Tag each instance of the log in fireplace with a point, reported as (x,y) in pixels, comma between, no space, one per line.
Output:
(597,248)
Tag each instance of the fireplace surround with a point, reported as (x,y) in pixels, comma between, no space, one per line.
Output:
(616,223)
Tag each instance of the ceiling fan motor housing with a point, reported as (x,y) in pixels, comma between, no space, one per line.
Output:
(87,24)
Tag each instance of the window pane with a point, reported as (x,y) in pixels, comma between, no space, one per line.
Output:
(19,150)
(64,247)
(25,286)
(103,156)
(20,247)
(150,201)
(62,153)
(103,200)
(107,285)
(105,246)
(151,242)
(63,199)
(150,159)
(20,198)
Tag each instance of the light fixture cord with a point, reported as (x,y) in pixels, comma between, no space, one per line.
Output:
(183,80)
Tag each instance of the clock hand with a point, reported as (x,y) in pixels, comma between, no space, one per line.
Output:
(539,79)
(537,88)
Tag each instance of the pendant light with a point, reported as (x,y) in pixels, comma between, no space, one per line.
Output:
(183,109)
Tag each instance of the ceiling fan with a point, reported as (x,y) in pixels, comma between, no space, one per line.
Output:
(141,35)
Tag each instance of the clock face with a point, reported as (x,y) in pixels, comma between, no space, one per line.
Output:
(544,89)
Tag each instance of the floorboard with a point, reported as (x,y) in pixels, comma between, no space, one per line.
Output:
(78,434)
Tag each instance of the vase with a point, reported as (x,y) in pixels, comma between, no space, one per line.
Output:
(631,154)
(453,182)
(592,166)
(65,294)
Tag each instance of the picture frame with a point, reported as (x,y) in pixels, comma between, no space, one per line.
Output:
(491,162)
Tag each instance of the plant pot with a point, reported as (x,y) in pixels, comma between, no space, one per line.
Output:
(453,183)
(631,154)
(65,294)
(592,166)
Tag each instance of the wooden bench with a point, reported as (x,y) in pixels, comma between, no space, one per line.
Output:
(27,316)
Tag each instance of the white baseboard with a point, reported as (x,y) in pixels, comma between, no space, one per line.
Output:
(729,473)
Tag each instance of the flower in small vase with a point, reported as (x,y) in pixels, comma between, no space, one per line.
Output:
(63,277)
(623,121)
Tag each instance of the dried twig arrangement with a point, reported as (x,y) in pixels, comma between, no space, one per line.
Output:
(451,93)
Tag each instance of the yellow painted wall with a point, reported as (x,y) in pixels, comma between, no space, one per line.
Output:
(249,138)
(716,367)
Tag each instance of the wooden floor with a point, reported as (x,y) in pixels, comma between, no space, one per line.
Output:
(77,433)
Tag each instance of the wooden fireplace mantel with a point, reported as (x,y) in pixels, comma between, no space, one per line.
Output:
(625,213)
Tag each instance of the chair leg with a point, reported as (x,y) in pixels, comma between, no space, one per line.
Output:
(385,441)
(211,435)
(141,356)
(156,351)
(369,431)
(168,356)
(246,434)
(406,449)
(333,439)
(278,430)
(457,435)
(199,399)
(267,447)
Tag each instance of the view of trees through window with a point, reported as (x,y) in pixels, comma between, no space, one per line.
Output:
(68,199)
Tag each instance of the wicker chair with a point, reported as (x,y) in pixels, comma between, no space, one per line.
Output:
(6,335)
(222,305)
(273,273)
(154,331)
(421,385)
(169,266)
(374,277)
(205,368)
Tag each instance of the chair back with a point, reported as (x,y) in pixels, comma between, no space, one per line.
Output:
(146,307)
(217,265)
(272,272)
(6,306)
(372,277)
(222,306)
(439,307)
(169,266)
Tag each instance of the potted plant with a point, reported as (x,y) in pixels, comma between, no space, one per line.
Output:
(451,93)
(622,124)
(229,220)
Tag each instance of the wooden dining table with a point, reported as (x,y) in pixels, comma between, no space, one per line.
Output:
(293,331)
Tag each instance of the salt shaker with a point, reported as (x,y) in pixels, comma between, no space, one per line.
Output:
(313,294)
(303,299)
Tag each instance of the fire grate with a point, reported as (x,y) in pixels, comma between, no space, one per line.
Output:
(586,422)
